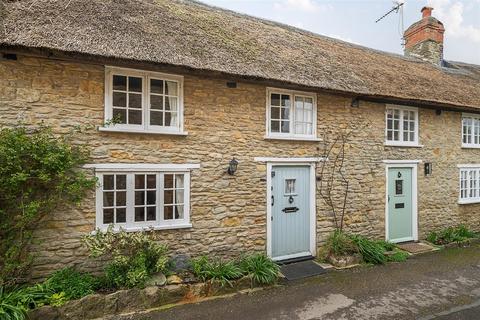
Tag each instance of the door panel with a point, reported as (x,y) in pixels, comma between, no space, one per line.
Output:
(290,210)
(400,208)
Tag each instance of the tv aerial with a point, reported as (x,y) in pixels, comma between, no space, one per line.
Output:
(397,8)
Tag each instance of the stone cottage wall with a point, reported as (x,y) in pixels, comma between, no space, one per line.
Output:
(228,212)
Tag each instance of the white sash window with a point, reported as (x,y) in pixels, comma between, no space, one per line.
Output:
(469,184)
(139,196)
(401,126)
(291,115)
(144,102)
(471,131)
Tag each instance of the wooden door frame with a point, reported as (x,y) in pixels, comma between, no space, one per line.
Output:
(413,164)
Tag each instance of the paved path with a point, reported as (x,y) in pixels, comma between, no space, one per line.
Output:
(443,285)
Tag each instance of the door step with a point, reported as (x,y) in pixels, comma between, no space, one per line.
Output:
(294,260)
(301,270)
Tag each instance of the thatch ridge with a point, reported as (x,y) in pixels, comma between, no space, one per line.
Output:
(202,37)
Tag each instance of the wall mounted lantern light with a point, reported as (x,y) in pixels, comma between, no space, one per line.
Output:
(232,167)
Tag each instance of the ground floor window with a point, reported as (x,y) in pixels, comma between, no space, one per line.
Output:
(470,184)
(157,197)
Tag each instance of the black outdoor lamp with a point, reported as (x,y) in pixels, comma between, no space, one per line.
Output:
(232,167)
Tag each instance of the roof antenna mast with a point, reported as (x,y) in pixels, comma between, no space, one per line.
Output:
(397,8)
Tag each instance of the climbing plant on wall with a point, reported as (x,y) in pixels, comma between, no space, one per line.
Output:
(38,172)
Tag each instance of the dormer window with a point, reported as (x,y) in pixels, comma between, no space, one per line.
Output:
(144,102)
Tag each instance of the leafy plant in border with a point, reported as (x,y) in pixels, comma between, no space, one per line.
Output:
(14,304)
(216,270)
(38,171)
(371,251)
(340,244)
(72,283)
(398,256)
(133,256)
(450,234)
(387,245)
(259,268)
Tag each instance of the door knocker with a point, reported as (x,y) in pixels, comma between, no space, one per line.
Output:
(290,199)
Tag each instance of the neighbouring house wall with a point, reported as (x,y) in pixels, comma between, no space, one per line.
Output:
(228,213)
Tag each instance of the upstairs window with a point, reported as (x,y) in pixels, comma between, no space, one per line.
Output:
(291,114)
(469,184)
(471,131)
(401,126)
(140,101)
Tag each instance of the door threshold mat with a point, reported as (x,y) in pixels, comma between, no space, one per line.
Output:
(300,270)
(415,247)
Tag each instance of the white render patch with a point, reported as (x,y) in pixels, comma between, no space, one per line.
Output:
(324,306)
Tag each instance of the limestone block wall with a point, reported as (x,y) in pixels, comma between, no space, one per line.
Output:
(228,213)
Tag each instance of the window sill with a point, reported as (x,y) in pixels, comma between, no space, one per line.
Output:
(466,146)
(292,138)
(473,201)
(137,229)
(402,145)
(123,130)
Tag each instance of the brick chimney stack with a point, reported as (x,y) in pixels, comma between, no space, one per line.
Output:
(424,38)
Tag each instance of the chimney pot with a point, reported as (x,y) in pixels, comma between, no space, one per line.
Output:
(426,12)
(424,38)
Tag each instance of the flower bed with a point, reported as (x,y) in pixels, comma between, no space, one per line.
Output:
(138,274)
(452,236)
(344,250)
(123,301)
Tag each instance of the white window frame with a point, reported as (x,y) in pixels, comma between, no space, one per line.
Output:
(473,117)
(291,135)
(145,127)
(130,170)
(401,142)
(467,168)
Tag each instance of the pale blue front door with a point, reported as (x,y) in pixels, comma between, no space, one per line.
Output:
(400,206)
(290,211)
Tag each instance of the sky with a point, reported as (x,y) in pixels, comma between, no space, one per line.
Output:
(354,21)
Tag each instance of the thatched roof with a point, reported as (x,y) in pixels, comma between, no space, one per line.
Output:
(197,36)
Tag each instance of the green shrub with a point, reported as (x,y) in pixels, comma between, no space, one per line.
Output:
(398,256)
(14,304)
(450,234)
(464,232)
(340,244)
(58,299)
(371,251)
(38,172)
(432,237)
(215,270)
(133,257)
(10,308)
(387,245)
(259,268)
(72,283)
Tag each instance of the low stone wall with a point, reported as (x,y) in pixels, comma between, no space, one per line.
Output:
(97,306)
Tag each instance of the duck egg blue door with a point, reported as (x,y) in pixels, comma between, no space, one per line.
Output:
(290,211)
(400,207)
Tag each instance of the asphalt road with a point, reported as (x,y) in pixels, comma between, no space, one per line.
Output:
(442,285)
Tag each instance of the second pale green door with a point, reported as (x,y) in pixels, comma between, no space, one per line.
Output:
(400,204)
